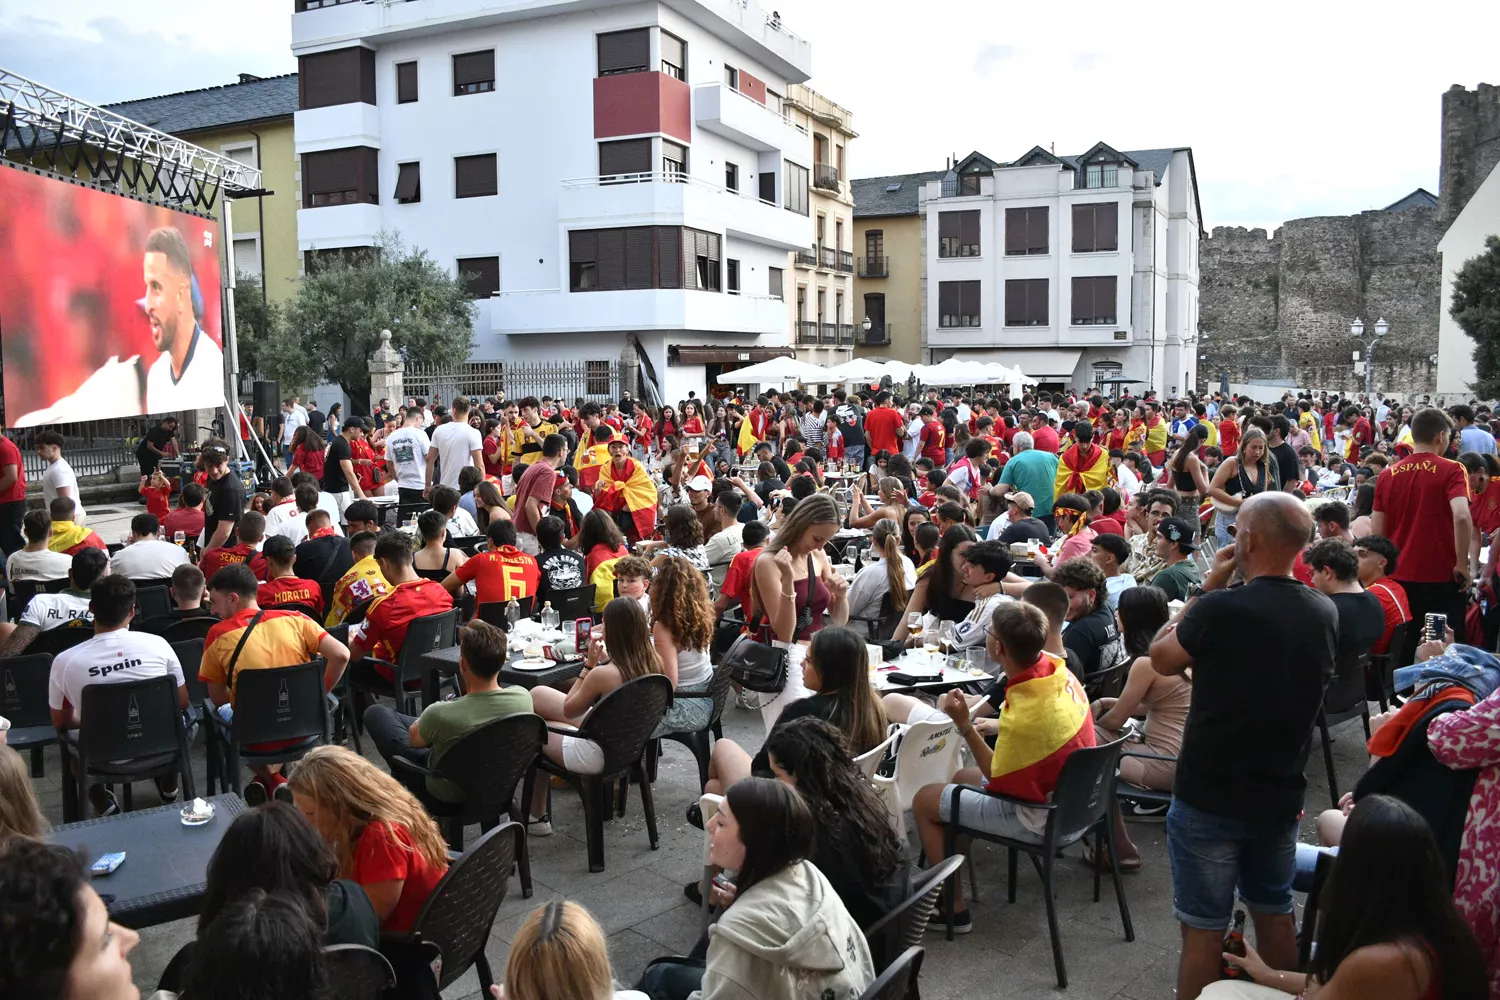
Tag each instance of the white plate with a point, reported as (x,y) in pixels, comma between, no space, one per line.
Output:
(535,666)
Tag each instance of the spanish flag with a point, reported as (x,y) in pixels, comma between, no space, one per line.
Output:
(747,440)
(628,490)
(1045,718)
(1156,441)
(1080,470)
(588,460)
(70,538)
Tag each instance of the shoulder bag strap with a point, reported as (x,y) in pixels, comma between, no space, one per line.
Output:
(235,656)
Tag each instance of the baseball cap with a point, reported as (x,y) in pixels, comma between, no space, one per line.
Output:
(358,423)
(700,484)
(1023,500)
(1179,531)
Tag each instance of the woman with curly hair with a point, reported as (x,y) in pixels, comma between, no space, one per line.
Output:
(684,537)
(382,837)
(307,452)
(682,628)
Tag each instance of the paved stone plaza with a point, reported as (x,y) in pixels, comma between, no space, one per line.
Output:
(638,898)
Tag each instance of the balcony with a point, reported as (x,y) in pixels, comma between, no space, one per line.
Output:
(332,226)
(846,261)
(726,112)
(815,104)
(555,311)
(845,334)
(826,177)
(828,258)
(874,267)
(808,257)
(671,199)
(338,126)
(807,332)
(876,336)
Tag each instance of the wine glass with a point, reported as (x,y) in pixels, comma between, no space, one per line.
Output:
(946,634)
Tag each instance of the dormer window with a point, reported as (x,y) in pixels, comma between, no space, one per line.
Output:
(1097,175)
(968,184)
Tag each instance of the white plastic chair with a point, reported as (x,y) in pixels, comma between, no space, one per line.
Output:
(869,761)
(929,754)
(708,803)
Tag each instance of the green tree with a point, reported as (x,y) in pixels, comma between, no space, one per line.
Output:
(328,332)
(1476,310)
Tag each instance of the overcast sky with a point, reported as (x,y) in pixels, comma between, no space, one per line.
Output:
(1312,107)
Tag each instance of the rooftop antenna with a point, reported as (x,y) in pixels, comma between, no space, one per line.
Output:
(1052,146)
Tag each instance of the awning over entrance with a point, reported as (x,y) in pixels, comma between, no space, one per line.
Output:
(726,355)
(1045,364)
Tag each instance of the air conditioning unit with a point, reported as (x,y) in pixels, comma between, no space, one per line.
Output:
(1122,334)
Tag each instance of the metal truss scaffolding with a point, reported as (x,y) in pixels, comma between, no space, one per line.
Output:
(52,131)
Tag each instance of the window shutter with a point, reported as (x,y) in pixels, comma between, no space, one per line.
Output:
(669,256)
(583,246)
(611,259)
(1036,230)
(474,176)
(247,257)
(638,257)
(1036,301)
(1015,303)
(948,301)
(331,171)
(627,51)
(1017,221)
(969,301)
(409,182)
(672,50)
(1083,228)
(1083,300)
(1107,226)
(774,287)
(474,67)
(481,275)
(631,156)
(710,245)
(674,157)
(768,186)
(1104,298)
(948,225)
(968,235)
(406,82)
(325,79)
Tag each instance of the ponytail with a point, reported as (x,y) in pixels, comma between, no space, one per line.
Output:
(887,535)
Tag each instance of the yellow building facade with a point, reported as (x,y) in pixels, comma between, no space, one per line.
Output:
(889,261)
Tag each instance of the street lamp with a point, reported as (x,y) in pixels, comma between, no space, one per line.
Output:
(1357,330)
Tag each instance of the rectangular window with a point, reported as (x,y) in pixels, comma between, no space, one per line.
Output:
(968,184)
(1097,175)
(673,56)
(343,76)
(820,150)
(958,234)
(1094,301)
(1096,227)
(732,275)
(673,161)
(1026,302)
(625,160)
(768,186)
(480,275)
(701,260)
(406,83)
(822,229)
(838,159)
(474,73)
(408,182)
(1026,231)
(801,303)
(774,282)
(641,257)
(795,185)
(625,52)
(597,380)
(874,244)
(475,176)
(731,176)
(958,303)
(732,77)
(838,308)
(340,177)
(838,235)
(247,256)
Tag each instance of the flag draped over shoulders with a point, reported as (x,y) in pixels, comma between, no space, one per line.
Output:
(1082,468)
(629,489)
(1045,718)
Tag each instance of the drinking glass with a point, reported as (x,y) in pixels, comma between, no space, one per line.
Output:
(179,537)
(946,633)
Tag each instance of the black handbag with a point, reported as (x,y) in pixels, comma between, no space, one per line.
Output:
(760,666)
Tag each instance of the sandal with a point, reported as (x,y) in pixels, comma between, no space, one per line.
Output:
(1126,864)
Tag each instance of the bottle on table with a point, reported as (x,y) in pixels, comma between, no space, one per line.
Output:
(550,618)
(1234,944)
(512,614)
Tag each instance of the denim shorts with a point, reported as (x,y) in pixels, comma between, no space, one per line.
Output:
(1212,856)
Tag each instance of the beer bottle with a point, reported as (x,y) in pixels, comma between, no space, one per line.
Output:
(1234,944)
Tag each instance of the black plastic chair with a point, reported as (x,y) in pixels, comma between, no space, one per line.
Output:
(573,603)
(131,731)
(271,705)
(899,980)
(700,741)
(1381,681)
(881,625)
(1140,793)
(190,655)
(184,629)
(62,638)
(163,582)
(153,601)
(23,700)
(357,973)
(621,723)
(1106,682)
(459,914)
(493,612)
(423,635)
(487,764)
(22,591)
(1081,804)
(1344,699)
(904,927)
(1308,933)
(470,544)
(435,575)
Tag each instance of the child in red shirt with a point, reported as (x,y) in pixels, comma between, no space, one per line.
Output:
(156,491)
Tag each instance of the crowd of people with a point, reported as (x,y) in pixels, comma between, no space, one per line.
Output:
(1190,575)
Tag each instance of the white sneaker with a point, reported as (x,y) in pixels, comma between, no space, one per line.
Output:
(539,827)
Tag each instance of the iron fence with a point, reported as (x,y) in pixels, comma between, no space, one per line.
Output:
(568,380)
(93,447)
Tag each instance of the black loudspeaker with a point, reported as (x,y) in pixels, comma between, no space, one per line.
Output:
(266,397)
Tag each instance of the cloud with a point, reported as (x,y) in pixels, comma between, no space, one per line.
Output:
(988,58)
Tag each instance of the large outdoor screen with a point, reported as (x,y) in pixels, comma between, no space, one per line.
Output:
(109,307)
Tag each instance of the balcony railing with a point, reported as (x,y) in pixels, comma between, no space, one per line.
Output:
(828,257)
(808,257)
(874,267)
(846,261)
(846,334)
(876,336)
(807,332)
(826,176)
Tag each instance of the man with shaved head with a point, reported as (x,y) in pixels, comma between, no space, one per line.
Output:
(1262,652)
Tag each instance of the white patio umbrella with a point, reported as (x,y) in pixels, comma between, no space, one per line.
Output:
(775,370)
(859,370)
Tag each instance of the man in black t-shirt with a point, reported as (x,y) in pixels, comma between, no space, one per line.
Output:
(1335,570)
(153,446)
(1092,636)
(1288,465)
(1262,655)
(339,480)
(224,500)
(1023,527)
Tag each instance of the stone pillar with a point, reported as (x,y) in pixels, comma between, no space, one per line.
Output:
(386,373)
(630,369)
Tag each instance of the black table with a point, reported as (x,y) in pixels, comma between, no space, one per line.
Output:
(444,662)
(166,863)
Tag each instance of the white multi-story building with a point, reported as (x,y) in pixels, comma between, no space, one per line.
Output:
(1076,269)
(614,176)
